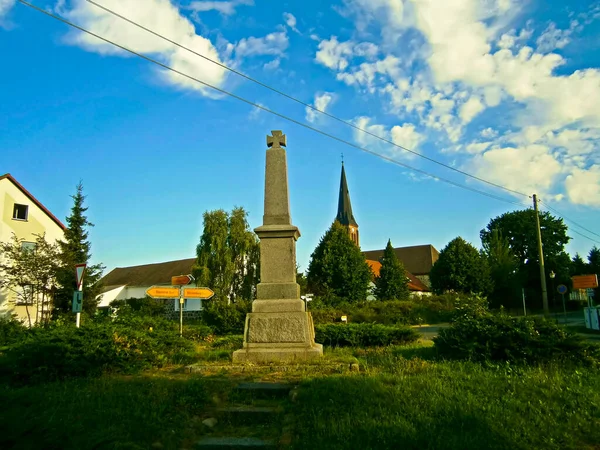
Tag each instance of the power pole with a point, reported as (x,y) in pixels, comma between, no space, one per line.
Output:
(541,252)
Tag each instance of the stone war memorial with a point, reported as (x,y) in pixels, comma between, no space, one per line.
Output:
(279,328)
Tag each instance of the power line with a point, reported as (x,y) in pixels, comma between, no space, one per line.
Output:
(266,86)
(570,220)
(275,113)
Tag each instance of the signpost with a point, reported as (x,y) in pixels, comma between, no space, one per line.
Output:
(78,294)
(562,290)
(180,292)
(585,281)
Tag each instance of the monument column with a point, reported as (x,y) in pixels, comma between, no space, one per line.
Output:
(278,328)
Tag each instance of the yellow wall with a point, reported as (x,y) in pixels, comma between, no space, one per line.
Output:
(38,222)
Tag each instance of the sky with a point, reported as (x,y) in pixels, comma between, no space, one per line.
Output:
(505,90)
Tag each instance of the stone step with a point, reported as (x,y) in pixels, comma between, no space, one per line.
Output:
(235,443)
(247,414)
(265,390)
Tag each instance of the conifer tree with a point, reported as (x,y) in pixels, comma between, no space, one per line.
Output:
(76,249)
(392,282)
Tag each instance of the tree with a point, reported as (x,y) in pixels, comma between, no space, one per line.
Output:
(76,249)
(392,282)
(338,268)
(228,257)
(461,268)
(30,273)
(594,261)
(519,228)
(578,265)
(503,270)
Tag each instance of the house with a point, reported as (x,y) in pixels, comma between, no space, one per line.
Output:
(25,216)
(132,282)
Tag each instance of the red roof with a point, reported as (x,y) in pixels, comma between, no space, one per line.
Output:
(414,284)
(8,176)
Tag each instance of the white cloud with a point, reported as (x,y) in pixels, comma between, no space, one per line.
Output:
(322,101)
(290,21)
(272,44)
(336,55)
(5,6)
(224,7)
(406,136)
(272,65)
(470,109)
(366,74)
(158,15)
(554,38)
(489,133)
(583,186)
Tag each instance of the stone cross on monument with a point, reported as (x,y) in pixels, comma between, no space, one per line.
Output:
(279,328)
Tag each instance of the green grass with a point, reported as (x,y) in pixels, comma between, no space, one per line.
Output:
(402,398)
(582,329)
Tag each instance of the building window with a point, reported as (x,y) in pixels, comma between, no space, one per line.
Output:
(29,246)
(20,212)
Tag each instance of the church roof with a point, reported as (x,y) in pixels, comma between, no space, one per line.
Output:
(148,274)
(418,259)
(414,284)
(344,214)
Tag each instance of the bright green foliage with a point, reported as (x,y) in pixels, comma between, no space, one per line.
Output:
(76,249)
(337,268)
(392,282)
(519,228)
(488,337)
(578,265)
(461,268)
(228,256)
(503,270)
(31,274)
(363,335)
(226,319)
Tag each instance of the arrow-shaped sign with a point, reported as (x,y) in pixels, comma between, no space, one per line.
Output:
(182,280)
(202,293)
(163,292)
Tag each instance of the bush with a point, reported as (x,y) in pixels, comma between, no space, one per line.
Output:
(141,306)
(11,331)
(224,318)
(363,335)
(500,337)
(61,352)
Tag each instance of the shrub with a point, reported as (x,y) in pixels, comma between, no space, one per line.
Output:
(363,335)
(198,332)
(65,351)
(490,337)
(224,318)
(141,306)
(11,331)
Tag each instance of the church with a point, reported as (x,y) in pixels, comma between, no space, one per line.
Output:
(418,259)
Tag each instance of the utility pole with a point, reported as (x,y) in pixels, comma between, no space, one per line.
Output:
(541,252)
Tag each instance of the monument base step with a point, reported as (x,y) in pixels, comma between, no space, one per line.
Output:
(278,354)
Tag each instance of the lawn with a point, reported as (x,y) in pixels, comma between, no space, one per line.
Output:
(402,398)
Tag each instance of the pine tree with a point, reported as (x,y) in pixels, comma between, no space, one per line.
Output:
(392,282)
(578,266)
(337,269)
(76,249)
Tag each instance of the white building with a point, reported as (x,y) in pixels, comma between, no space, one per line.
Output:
(26,217)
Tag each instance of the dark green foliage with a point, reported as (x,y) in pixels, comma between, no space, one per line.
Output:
(337,268)
(363,335)
(392,282)
(224,318)
(519,229)
(11,331)
(140,306)
(461,268)
(228,256)
(578,266)
(594,260)
(60,352)
(76,249)
(503,270)
(487,337)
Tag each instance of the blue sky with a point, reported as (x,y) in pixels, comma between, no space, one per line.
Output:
(506,90)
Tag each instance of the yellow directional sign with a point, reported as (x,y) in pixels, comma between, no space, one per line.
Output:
(201,293)
(163,292)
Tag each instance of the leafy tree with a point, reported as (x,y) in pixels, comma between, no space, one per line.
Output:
(30,274)
(594,260)
(76,249)
(503,268)
(228,255)
(519,228)
(578,265)
(392,282)
(337,267)
(461,268)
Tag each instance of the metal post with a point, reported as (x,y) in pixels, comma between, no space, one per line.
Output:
(181,311)
(541,252)
(78,315)
(524,307)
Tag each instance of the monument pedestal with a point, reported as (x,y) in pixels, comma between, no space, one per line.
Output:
(279,328)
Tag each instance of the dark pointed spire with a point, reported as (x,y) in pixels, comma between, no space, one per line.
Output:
(344,214)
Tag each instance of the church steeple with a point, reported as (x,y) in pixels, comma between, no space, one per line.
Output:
(344,214)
